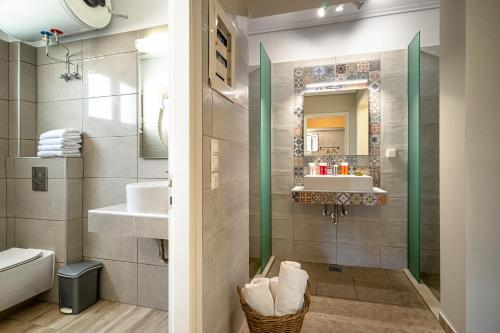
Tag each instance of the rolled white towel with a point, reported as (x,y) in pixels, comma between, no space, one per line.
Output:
(291,288)
(60,147)
(291,264)
(273,286)
(60,133)
(61,141)
(71,153)
(258,295)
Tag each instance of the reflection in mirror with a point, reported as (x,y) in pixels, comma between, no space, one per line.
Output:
(336,123)
(153,87)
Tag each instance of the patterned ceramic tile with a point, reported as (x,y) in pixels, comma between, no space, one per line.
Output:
(363,66)
(374,76)
(341,198)
(341,69)
(374,65)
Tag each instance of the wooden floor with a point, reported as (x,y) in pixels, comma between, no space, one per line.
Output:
(105,316)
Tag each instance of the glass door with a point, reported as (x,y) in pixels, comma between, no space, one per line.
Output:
(414,157)
(265,159)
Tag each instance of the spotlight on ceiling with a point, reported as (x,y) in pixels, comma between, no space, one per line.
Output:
(321,11)
(339,8)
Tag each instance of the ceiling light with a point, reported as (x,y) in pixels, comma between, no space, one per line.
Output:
(321,11)
(339,8)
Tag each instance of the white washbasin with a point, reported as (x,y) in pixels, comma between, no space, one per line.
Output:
(148,197)
(339,183)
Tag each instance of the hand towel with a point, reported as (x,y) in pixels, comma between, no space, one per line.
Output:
(273,286)
(60,133)
(258,295)
(71,153)
(60,141)
(61,147)
(291,288)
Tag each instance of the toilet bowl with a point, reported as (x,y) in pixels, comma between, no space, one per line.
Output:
(24,273)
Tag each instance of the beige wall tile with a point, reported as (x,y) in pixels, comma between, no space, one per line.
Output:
(11,226)
(359,255)
(118,281)
(3,197)
(11,199)
(42,234)
(23,167)
(4,118)
(4,80)
(28,82)
(110,157)
(75,50)
(111,75)
(4,50)
(110,116)
(59,114)
(282,182)
(28,52)
(108,246)
(357,57)
(147,252)
(230,205)
(281,205)
(282,248)
(104,192)
(28,120)
(325,253)
(282,227)
(392,257)
(230,121)
(51,88)
(314,230)
(152,287)
(3,233)
(74,242)
(391,62)
(207,110)
(109,45)
(233,162)
(52,296)
(40,205)
(4,153)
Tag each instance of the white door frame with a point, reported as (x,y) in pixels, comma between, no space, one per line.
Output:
(185,136)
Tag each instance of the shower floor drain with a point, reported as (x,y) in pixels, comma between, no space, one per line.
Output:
(335,268)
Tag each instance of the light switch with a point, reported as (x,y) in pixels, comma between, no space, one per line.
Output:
(215,163)
(390,153)
(214,147)
(215,181)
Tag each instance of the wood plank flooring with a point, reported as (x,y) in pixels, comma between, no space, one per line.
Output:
(105,316)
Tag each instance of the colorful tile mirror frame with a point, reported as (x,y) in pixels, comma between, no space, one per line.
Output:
(303,76)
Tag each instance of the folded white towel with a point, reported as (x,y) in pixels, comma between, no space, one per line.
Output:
(291,288)
(70,153)
(258,295)
(60,133)
(60,141)
(60,147)
(273,286)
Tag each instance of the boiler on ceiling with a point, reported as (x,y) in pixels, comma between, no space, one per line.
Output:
(28,20)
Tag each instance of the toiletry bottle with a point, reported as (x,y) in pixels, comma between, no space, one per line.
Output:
(322,168)
(335,169)
(346,168)
(312,169)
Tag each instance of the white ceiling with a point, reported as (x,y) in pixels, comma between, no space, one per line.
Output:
(288,17)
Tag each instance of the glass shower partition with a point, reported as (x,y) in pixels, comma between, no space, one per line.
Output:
(265,159)
(414,157)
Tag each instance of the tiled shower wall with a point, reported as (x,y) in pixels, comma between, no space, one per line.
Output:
(368,236)
(225,209)
(4,139)
(104,106)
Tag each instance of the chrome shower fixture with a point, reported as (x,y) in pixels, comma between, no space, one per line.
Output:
(51,38)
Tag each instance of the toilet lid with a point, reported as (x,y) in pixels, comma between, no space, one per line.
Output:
(15,257)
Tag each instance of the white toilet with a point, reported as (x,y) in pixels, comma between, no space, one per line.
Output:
(24,273)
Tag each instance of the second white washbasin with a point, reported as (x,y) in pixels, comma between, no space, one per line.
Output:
(148,197)
(338,183)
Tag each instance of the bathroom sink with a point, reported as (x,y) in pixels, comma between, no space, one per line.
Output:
(148,197)
(338,183)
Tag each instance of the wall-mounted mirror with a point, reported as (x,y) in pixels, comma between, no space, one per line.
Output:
(153,96)
(336,123)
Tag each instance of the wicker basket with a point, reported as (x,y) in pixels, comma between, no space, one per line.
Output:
(271,324)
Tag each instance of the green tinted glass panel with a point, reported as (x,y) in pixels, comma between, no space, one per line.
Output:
(265,158)
(414,157)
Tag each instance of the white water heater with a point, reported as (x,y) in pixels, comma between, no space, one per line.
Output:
(27,19)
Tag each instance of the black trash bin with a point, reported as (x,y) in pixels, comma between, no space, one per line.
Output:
(78,286)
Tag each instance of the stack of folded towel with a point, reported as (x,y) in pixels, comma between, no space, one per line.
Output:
(60,143)
(280,295)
